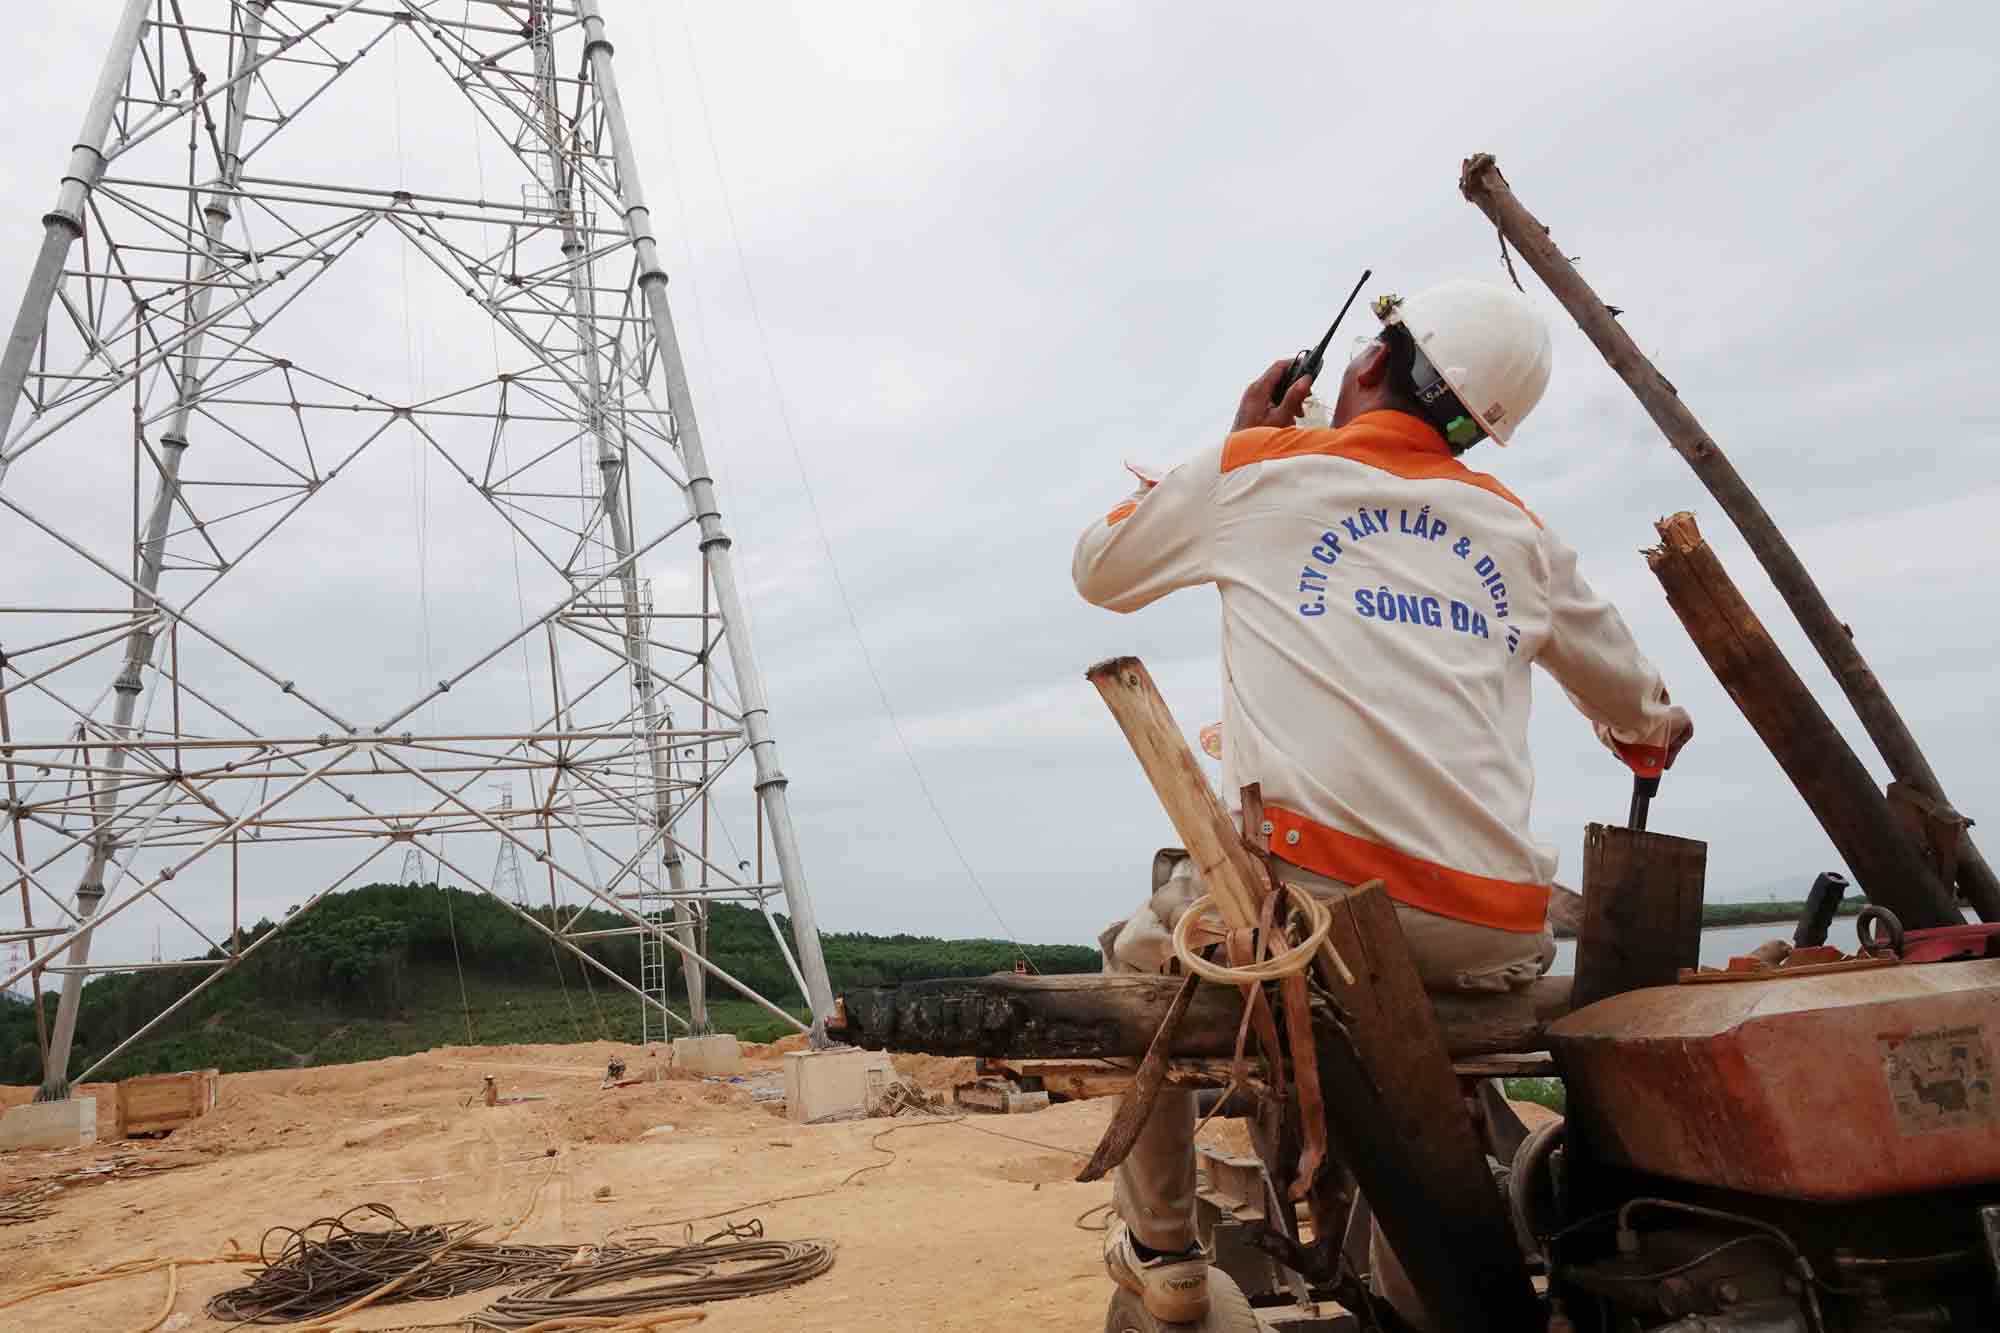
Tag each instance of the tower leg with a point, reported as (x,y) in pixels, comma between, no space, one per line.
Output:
(152,556)
(715,542)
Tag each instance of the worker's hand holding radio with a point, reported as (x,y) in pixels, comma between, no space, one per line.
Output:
(1258,408)
(1275,397)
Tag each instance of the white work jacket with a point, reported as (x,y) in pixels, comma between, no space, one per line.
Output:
(1381,605)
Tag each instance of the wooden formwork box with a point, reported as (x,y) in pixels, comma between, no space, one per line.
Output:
(152,1103)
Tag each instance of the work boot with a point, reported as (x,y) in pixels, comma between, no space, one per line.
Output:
(1174,1287)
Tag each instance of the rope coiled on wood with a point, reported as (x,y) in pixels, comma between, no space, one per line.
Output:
(1297,958)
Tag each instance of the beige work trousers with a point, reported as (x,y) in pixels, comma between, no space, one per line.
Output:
(1153,1189)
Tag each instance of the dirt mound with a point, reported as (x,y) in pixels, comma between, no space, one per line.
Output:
(689,1103)
(247,1118)
(936,1073)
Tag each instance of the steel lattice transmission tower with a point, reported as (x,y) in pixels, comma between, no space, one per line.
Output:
(267,298)
(507,882)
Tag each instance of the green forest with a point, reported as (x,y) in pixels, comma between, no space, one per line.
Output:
(387,969)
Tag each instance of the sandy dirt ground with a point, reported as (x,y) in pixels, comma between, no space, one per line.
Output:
(960,1229)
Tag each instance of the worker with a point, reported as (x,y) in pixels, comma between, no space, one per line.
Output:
(1381,606)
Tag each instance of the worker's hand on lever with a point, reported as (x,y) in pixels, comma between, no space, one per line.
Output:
(1651,760)
(1682,733)
(1257,409)
(1647,762)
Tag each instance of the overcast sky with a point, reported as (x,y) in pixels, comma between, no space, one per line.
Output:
(998,249)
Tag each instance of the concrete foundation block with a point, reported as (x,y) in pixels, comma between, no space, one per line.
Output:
(719,1055)
(843,1084)
(70,1124)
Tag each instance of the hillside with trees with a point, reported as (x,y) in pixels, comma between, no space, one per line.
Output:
(388,969)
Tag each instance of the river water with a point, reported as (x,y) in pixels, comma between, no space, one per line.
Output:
(1723,943)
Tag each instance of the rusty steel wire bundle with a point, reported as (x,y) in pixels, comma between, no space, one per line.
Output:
(698,1273)
(316,1270)
(28,1202)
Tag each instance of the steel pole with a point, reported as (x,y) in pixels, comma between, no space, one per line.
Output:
(610,464)
(140,645)
(715,543)
(63,224)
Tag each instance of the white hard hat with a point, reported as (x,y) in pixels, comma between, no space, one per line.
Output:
(1490,345)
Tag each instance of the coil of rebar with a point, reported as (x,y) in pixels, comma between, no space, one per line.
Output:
(315,1270)
(753,1268)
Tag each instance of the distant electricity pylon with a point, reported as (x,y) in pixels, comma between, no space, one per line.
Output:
(414,875)
(274,298)
(507,881)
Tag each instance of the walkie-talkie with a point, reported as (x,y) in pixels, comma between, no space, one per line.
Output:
(1307,363)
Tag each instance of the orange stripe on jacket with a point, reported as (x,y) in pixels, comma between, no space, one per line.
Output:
(1501,904)
(1120,514)
(1394,442)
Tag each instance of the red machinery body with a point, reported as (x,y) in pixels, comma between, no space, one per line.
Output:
(1829,1087)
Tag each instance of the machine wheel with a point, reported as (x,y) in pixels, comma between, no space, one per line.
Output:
(1228,1311)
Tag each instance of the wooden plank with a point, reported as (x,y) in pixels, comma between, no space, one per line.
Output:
(1787,973)
(1794,728)
(1081,1080)
(1398,1121)
(1642,896)
(1091,1016)
(1505,1066)
(1481,183)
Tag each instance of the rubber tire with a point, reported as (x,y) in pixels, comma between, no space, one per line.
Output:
(1228,1311)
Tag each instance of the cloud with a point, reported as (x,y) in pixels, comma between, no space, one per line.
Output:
(991,259)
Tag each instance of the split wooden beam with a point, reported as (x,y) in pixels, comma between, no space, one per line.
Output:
(1795,729)
(1481,183)
(1642,897)
(1088,1016)
(1236,879)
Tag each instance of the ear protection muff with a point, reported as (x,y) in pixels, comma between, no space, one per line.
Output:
(1441,406)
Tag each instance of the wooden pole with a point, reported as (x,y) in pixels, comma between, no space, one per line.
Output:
(1090,1017)
(1795,728)
(1481,182)
(1642,896)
